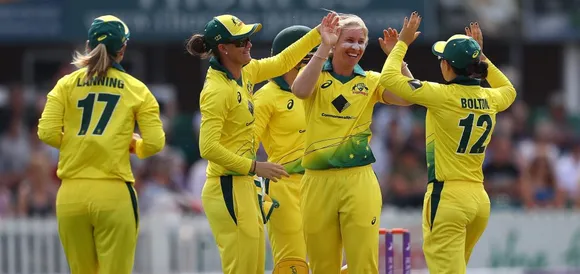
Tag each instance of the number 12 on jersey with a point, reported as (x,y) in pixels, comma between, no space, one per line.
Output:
(467,124)
(87,104)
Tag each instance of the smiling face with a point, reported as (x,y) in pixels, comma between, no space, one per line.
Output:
(350,46)
(238,51)
(352,42)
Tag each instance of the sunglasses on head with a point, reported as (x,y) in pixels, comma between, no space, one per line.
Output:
(241,43)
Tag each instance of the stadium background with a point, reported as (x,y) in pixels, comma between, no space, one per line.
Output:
(532,167)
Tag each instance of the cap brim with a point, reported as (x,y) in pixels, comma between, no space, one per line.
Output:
(247,31)
(438,48)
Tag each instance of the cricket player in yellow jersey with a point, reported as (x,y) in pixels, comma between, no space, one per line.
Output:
(281,128)
(459,124)
(340,195)
(227,140)
(90,116)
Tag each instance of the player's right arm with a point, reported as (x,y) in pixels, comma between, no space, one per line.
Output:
(50,125)
(502,90)
(214,105)
(414,91)
(152,135)
(303,85)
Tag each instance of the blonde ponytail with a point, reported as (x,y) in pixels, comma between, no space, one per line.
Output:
(97,61)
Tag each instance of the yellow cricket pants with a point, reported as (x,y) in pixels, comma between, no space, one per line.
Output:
(98,225)
(455,215)
(285,225)
(231,206)
(342,207)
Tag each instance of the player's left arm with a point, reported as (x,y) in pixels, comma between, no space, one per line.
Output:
(388,97)
(263,111)
(260,70)
(51,123)
(411,90)
(151,127)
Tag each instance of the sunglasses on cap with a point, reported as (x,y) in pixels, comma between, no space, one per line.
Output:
(241,43)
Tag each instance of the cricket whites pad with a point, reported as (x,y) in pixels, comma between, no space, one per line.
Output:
(291,266)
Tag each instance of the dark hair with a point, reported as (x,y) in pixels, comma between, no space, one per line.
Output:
(197,46)
(474,70)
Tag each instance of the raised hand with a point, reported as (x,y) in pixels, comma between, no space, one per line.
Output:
(474,32)
(409,31)
(329,29)
(390,38)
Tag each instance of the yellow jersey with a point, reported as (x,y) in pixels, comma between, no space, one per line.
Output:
(280,124)
(92,124)
(338,119)
(227,108)
(460,116)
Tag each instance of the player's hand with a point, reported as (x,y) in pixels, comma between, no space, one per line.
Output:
(133,144)
(389,40)
(474,31)
(409,31)
(329,29)
(270,171)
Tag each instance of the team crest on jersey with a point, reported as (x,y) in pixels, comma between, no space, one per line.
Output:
(251,107)
(239,97)
(360,88)
(250,87)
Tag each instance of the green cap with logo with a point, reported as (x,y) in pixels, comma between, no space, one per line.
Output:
(459,50)
(110,31)
(227,28)
(288,36)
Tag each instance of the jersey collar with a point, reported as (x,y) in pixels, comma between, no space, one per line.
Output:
(214,63)
(464,80)
(118,66)
(282,83)
(357,71)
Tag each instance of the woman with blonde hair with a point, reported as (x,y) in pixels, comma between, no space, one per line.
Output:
(227,139)
(90,116)
(341,200)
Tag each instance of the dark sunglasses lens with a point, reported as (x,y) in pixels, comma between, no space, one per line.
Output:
(241,43)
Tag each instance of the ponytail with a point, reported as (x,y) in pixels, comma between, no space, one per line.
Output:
(476,70)
(97,61)
(197,46)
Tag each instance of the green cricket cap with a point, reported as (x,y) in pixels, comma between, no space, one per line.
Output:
(460,50)
(110,31)
(227,28)
(288,36)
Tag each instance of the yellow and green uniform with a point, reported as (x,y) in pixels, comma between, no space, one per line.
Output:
(227,141)
(281,128)
(341,200)
(460,119)
(91,122)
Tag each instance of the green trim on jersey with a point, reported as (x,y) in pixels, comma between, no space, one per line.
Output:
(466,81)
(214,63)
(351,152)
(294,167)
(431,162)
(119,67)
(343,79)
(282,84)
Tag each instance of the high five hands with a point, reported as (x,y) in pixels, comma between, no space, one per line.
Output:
(409,31)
